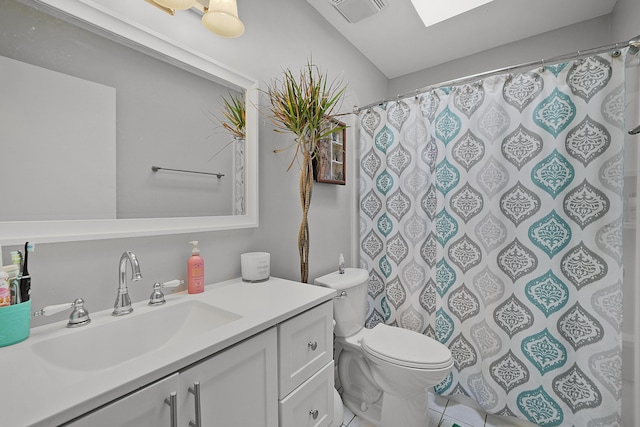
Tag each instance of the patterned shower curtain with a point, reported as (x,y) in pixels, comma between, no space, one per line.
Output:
(491,220)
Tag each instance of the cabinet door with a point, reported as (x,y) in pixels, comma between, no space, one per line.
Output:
(305,346)
(144,408)
(238,386)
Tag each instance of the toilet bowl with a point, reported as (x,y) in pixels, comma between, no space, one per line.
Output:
(384,371)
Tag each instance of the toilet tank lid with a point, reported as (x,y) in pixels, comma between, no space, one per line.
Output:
(350,278)
(406,347)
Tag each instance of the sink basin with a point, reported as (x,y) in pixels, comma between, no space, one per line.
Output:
(119,339)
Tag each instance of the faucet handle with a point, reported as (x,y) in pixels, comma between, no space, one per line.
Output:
(157,296)
(79,316)
(52,309)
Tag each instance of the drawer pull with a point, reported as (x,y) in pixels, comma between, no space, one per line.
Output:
(172,401)
(195,390)
(313,345)
(314,413)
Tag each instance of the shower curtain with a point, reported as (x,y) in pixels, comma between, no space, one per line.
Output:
(491,220)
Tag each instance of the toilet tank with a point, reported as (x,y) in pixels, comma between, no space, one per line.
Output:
(350,306)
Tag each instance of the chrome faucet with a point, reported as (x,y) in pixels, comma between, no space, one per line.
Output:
(123,302)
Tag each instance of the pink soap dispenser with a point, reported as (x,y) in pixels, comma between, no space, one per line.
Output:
(195,270)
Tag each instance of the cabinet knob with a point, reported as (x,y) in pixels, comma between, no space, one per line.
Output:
(314,413)
(313,345)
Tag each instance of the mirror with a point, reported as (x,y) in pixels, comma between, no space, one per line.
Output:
(148,133)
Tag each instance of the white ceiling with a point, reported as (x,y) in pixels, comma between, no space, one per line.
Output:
(396,41)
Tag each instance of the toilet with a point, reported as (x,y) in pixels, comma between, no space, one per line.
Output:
(384,371)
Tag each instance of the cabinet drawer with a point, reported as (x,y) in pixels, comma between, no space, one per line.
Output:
(311,404)
(305,344)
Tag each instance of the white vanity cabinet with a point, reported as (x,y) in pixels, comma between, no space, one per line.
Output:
(280,377)
(235,387)
(257,354)
(305,368)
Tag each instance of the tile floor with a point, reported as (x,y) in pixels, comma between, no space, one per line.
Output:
(445,412)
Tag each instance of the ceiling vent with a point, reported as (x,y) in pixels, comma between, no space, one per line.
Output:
(357,10)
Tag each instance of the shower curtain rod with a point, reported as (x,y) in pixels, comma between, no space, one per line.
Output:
(633,44)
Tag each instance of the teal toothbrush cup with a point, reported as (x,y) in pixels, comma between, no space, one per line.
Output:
(15,323)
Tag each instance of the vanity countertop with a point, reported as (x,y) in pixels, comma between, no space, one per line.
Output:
(36,393)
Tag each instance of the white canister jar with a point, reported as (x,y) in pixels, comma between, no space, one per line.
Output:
(255,266)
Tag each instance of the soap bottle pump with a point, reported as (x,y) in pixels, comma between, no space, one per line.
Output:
(195,270)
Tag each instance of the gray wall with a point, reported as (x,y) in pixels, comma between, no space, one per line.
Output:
(581,36)
(625,20)
(622,24)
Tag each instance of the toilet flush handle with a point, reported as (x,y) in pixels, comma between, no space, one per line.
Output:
(342,295)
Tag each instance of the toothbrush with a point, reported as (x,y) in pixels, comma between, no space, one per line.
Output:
(25,278)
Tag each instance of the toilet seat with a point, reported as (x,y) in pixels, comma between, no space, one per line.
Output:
(405,348)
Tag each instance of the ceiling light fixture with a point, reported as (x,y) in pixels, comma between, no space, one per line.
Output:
(220,16)
(177,4)
(432,12)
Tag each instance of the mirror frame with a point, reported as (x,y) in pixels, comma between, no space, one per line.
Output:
(92,16)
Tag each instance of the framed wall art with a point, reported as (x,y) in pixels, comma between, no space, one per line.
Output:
(330,161)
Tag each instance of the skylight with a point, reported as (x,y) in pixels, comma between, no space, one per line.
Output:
(433,11)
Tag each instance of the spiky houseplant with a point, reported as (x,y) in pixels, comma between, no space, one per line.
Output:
(302,104)
(234,115)
(233,119)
